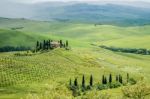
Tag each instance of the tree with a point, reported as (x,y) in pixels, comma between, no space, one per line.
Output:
(103,79)
(50,45)
(66,43)
(120,79)
(41,46)
(117,78)
(75,82)
(127,77)
(61,43)
(44,44)
(91,80)
(110,78)
(83,81)
(37,45)
(47,44)
(70,82)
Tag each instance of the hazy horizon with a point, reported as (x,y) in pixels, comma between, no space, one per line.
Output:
(36,1)
(29,9)
(137,3)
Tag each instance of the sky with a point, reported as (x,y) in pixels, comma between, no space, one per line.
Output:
(36,1)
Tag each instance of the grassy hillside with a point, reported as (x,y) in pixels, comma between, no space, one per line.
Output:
(17,38)
(49,73)
(88,33)
(46,75)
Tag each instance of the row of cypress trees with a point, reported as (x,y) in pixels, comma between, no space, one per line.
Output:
(47,44)
(118,79)
(83,81)
(104,80)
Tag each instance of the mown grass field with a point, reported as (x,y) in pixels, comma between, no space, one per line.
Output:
(46,75)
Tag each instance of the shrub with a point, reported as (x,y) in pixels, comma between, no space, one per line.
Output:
(96,95)
(132,81)
(115,85)
(102,86)
(89,87)
(138,91)
(76,92)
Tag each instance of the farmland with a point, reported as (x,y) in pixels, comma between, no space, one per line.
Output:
(46,75)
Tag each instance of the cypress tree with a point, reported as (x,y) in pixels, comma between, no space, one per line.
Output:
(37,45)
(127,77)
(66,43)
(75,82)
(110,78)
(41,46)
(61,44)
(48,44)
(117,79)
(103,79)
(120,79)
(83,81)
(44,44)
(91,80)
(70,82)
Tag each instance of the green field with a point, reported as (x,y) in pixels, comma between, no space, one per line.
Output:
(46,75)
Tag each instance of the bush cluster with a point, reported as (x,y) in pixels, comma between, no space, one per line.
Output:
(11,48)
(128,50)
(106,83)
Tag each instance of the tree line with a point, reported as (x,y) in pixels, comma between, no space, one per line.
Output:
(106,83)
(128,50)
(11,48)
(50,44)
(44,45)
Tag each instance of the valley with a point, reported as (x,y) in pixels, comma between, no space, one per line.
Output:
(46,74)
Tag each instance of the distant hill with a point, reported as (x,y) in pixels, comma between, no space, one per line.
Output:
(17,38)
(26,32)
(114,14)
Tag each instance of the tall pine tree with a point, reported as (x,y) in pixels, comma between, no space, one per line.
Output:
(120,79)
(75,82)
(70,82)
(83,81)
(41,46)
(110,78)
(127,77)
(66,43)
(37,46)
(91,80)
(44,45)
(103,79)
(117,78)
(61,43)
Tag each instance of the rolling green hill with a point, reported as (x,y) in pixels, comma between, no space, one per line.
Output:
(137,36)
(45,75)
